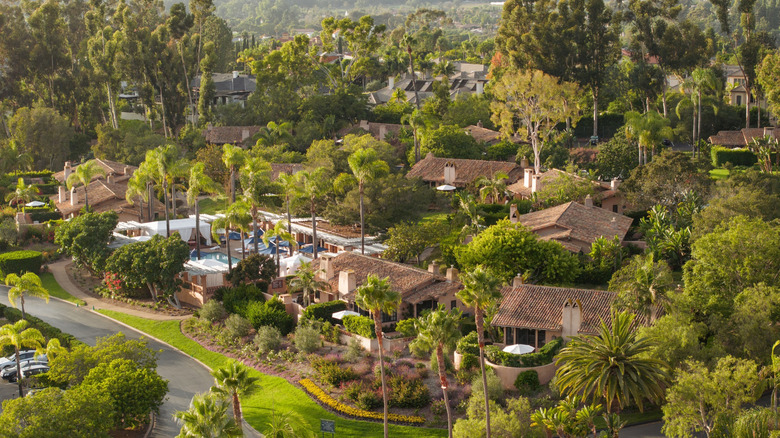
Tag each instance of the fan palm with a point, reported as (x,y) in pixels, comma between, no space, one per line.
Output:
(237,213)
(234,381)
(279,235)
(255,179)
(613,365)
(207,418)
(480,292)
(22,194)
(19,336)
(83,175)
(377,297)
(199,183)
(287,425)
(233,157)
(28,284)
(494,187)
(312,186)
(438,330)
(305,281)
(365,167)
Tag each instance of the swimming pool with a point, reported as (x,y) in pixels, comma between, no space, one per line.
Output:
(218,256)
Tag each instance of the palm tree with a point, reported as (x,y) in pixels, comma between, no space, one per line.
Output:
(83,175)
(14,158)
(138,186)
(199,183)
(28,284)
(444,68)
(275,133)
(614,365)
(494,187)
(648,129)
(279,235)
(417,121)
(468,209)
(365,167)
(207,418)
(19,336)
(287,425)
(377,297)
(642,286)
(408,40)
(53,349)
(22,194)
(233,380)
(305,281)
(233,157)
(289,186)
(163,166)
(147,175)
(237,213)
(438,330)
(312,186)
(255,179)
(480,292)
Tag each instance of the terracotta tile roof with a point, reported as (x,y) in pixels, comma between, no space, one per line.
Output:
(751,133)
(103,196)
(728,138)
(431,169)
(413,284)
(230,134)
(117,169)
(289,168)
(377,130)
(541,307)
(603,188)
(575,225)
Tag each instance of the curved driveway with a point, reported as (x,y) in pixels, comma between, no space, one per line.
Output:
(186,377)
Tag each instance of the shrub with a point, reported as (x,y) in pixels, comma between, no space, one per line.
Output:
(355,351)
(544,356)
(267,339)
(275,304)
(307,339)
(237,326)
(527,382)
(323,311)
(368,400)
(19,262)
(44,216)
(360,325)
(408,393)
(213,311)
(406,327)
(261,314)
(469,361)
(255,268)
(235,299)
(468,344)
(737,157)
(332,373)
(495,389)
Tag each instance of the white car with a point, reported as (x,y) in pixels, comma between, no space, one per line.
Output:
(35,369)
(11,360)
(11,376)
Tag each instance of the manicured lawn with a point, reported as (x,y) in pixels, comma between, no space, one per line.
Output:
(276,393)
(211,206)
(434,216)
(55,290)
(719,174)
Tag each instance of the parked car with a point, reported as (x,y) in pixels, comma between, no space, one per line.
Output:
(22,360)
(11,360)
(22,364)
(35,370)
(10,374)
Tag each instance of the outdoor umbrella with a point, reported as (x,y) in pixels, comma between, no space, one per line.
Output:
(519,349)
(341,314)
(35,204)
(445,188)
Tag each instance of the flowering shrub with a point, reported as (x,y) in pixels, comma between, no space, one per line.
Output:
(326,399)
(113,283)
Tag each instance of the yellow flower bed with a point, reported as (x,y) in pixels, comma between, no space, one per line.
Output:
(315,390)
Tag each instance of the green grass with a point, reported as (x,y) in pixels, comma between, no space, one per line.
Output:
(719,174)
(55,290)
(276,394)
(211,206)
(434,216)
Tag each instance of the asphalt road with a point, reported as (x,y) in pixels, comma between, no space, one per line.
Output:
(185,376)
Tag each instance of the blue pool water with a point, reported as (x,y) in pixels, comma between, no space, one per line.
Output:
(215,256)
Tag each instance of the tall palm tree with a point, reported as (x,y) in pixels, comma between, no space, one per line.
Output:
(207,418)
(22,194)
(279,235)
(480,292)
(312,186)
(305,281)
(613,366)
(494,187)
(365,167)
(377,297)
(642,286)
(647,129)
(138,187)
(147,175)
(289,185)
(417,120)
(234,381)
(407,41)
(19,336)
(287,425)
(83,175)
(233,157)
(237,213)
(703,79)
(199,183)
(28,284)
(438,330)
(255,179)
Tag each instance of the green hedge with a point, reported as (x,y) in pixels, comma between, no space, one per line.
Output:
(527,382)
(48,331)
(360,325)
(45,216)
(323,311)
(737,157)
(543,357)
(267,314)
(51,188)
(19,262)
(468,345)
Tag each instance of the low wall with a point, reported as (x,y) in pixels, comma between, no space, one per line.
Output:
(508,375)
(372,345)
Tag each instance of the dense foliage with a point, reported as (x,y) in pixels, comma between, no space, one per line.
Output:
(19,262)
(86,237)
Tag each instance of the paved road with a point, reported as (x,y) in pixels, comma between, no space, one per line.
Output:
(186,377)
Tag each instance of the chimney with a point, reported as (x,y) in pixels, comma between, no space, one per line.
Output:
(770,131)
(391,82)
(346,282)
(479,124)
(326,266)
(449,173)
(62,194)
(528,173)
(524,162)
(536,183)
(614,184)
(235,74)
(589,201)
(382,132)
(110,178)
(513,216)
(244,134)
(74,197)
(480,88)
(364,125)
(433,268)
(67,170)
(452,274)
(572,318)
(126,170)
(517,281)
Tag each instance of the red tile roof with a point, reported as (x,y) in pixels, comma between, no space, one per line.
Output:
(431,169)
(120,170)
(103,196)
(238,135)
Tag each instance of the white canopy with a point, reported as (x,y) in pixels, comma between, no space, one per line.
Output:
(290,265)
(185,228)
(35,204)
(342,313)
(445,188)
(519,349)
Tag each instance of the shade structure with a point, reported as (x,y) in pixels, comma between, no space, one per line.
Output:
(309,249)
(519,349)
(35,204)
(445,188)
(342,313)
(185,228)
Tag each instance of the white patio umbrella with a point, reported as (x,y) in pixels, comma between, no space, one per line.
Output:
(341,314)
(35,204)
(446,188)
(519,349)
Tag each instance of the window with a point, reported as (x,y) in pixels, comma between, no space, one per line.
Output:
(510,335)
(453,304)
(739,100)
(614,208)
(542,338)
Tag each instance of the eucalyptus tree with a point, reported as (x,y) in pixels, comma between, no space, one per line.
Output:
(83,174)
(199,183)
